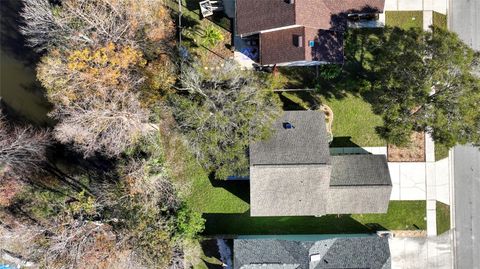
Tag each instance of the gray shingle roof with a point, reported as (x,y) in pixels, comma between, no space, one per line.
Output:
(305,143)
(359,170)
(291,190)
(361,252)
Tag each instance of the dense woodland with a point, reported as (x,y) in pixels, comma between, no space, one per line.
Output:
(128,110)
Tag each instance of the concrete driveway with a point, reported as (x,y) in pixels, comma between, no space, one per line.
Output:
(422,252)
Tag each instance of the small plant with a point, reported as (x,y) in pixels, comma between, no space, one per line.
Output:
(211,36)
(330,71)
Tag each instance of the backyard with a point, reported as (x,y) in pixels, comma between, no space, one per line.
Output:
(204,37)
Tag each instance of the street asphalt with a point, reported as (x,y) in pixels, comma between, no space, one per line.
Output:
(467,207)
(464,19)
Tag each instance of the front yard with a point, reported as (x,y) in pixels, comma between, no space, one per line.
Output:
(404,19)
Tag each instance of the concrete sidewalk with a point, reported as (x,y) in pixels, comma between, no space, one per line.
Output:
(440,6)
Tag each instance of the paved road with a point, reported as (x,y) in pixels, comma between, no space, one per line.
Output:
(467,207)
(464,19)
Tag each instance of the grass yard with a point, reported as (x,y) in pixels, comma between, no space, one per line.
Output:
(443,217)
(441,152)
(402,215)
(404,19)
(217,196)
(194,26)
(354,122)
(440,20)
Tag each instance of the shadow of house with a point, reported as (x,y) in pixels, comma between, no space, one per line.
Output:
(343,141)
(232,225)
(239,188)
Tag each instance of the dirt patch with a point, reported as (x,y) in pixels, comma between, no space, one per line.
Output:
(415,152)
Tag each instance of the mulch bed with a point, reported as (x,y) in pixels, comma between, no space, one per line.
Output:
(415,152)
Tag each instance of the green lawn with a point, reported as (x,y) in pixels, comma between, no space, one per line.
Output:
(354,122)
(217,196)
(441,152)
(440,20)
(402,215)
(404,19)
(443,217)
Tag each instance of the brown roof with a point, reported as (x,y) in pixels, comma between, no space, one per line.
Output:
(254,16)
(280,46)
(257,15)
(321,21)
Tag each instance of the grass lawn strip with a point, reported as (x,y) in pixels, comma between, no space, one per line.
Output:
(440,20)
(443,217)
(404,19)
(441,152)
(402,215)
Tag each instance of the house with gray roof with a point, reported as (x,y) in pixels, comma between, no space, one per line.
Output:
(300,32)
(355,252)
(293,174)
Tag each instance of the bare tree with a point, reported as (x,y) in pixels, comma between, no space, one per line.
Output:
(93,92)
(106,123)
(22,149)
(78,23)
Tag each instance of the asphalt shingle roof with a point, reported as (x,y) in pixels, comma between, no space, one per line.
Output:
(359,170)
(361,252)
(305,143)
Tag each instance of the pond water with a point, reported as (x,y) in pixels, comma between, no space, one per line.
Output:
(20,92)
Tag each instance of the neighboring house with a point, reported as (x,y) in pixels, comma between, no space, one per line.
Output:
(300,32)
(293,174)
(360,252)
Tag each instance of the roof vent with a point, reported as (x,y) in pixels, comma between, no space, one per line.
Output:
(288,125)
(291,2)
(298,41)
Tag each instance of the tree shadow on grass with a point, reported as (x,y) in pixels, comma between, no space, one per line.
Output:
(244,224)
